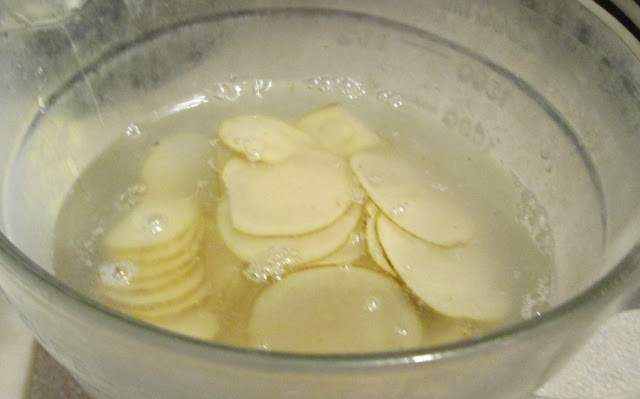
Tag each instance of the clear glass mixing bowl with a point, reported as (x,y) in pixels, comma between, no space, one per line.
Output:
(550,89)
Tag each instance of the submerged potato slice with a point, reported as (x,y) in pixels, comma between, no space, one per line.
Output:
(458,282)
(337,130)
(262,138)
(374,249)
(398,189)
(168,292)
(177,163)
(308,247)
(302,194)
(334,309)
(197,322)
(155,221)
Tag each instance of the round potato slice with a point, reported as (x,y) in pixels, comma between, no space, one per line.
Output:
(334,309)
(458,282)
(305,193)
(155,221)
(398,189)
(197,322)
(373,244)
(177,164)
(308,247)
(337,130)
(262,138)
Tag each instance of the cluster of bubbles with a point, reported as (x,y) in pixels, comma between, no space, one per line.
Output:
(348,87)
(533,217)
(271,264)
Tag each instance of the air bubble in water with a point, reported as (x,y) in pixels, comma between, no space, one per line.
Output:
(390,98)
(534,303)
(533,217)
(155,223)
(402,331)
(372,304)
(133,131)
(440,187)
(260,87)
(271,264)
(399,209)
(118,274)
(348,87)
(226,91)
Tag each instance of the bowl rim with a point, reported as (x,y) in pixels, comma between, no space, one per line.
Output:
(624,275)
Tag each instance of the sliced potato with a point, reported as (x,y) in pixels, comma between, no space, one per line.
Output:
(177,164)
(198,322)
(148,281)
(174,307)
(337,130)
(155,221)
(151,256)
(305,193)
(308,247)
(458,282)
(399,190)
(168,292)
(262,138)
(334,309)
(350,251)
(373,244)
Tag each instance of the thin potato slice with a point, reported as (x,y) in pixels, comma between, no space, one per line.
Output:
(170,291)
(302,194)
(155,221)
(397,188)
(337,130)
(334,309)
(458,282)
(308,247)
(374,249)
(137,282)
(262,138)
(157,254)
(350,251)
(177,164)
(197,322)
(174,307)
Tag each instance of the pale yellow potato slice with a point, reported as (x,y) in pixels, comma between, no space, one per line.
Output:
(337,130)
(334,309)
(198,322)
(153,255)
(308,247)
(373,244)
(262,138)
(458,282)
(155,221)
(399,189)
(168,292)
(156,281)
(174,307)
(305,193)
(177,164)
(350,251)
